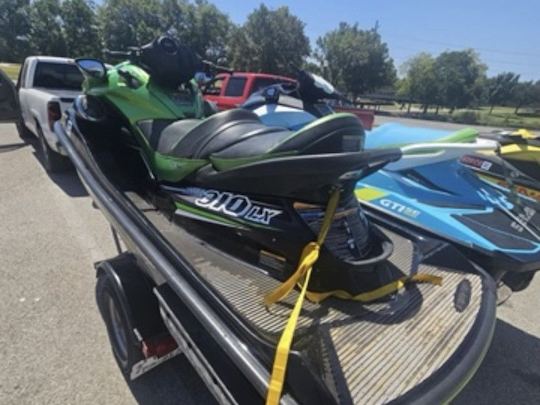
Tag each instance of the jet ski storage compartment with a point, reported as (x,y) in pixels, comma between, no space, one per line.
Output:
(420,345)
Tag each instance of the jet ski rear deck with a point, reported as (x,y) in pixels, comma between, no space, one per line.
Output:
(422,345)
(399,343)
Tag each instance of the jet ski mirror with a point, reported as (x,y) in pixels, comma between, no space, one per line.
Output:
(323,84)
(92,68)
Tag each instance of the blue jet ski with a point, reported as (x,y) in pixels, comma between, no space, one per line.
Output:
(429,188)
(399,135)
(515,164)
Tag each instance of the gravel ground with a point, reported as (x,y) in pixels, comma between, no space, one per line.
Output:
(53,344)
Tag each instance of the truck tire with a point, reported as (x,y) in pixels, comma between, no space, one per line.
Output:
(52,160)
(124,343)
(24,132)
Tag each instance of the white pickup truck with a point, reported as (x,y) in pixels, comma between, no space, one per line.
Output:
(45,88)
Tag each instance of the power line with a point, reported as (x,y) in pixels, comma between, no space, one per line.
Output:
(501,51)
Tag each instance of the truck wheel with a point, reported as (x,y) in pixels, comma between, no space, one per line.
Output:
(53,161)
(22,129)
(124,343)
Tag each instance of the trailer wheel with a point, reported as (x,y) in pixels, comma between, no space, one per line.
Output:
(124,343)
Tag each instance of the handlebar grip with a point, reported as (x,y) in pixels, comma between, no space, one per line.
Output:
(217,68)
(117,53)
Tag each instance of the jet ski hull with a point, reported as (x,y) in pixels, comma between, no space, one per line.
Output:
(517,155)
(493,170)
(463,210)
(422,345)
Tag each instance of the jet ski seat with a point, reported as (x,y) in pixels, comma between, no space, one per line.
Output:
(239,133)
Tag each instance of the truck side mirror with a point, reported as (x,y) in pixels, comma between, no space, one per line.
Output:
(93,68)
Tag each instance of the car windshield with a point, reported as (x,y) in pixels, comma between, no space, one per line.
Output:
(58,76)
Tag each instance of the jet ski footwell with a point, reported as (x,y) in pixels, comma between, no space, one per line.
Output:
(421,345)
(371,353)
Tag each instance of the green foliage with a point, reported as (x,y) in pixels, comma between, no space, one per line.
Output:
(272,41)
(312,67)
(526,94)
(208,30)
(500,88)
(45,35)
(355,60)
(81,31)
(402,88)
(460,75)
(14,28)
(466,117)
(130,22)
(421,82)
(457,80)
(201,26)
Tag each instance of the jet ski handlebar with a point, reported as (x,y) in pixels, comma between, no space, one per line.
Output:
(212,68)
(131,54)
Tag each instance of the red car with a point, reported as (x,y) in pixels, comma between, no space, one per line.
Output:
(231,90)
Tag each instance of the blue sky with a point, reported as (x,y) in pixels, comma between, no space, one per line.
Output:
(505,33)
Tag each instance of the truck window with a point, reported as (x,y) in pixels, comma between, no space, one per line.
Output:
(57,76)
(213,88)
(235,87)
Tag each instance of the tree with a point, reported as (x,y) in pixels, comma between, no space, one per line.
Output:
(272,41)
(202,27)
(312,66)
(14,30)
(421,83)
(46,36)
(81,31)
(460,75)
(130,22)
(526,94)
(355,60)
(501,88)
(402,91)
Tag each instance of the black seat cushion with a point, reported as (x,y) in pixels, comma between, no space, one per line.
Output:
(335,133)
(220,131)
(172,134)
(238,133)
(163,134)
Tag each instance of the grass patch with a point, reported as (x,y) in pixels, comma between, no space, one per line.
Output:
(500,116)
(11,69)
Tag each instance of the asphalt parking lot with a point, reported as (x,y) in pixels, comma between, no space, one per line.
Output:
(53,344)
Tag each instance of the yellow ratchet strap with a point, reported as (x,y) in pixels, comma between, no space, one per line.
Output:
(378,292)
(301,277)
(310,254)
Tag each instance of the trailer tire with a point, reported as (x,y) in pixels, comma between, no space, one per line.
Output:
(124,343)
